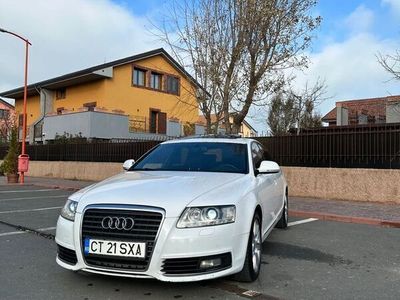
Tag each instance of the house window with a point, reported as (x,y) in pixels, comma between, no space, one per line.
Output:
(139,76)
(155,81)
(3,114)
(61,93)
(172,85)
(20,120)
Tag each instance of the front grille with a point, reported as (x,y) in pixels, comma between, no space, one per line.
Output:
(66,255)
(191,265)
(146,227)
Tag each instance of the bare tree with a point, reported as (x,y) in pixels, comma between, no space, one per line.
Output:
(310,118)
(237,49)
(191,32)
(391,63)
(305,101)
(281,114)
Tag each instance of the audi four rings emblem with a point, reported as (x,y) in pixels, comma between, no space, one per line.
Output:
(119,223)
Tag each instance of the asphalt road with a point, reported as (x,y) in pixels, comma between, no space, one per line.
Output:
(312,260)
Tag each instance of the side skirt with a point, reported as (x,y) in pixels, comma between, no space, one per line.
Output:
(266,234)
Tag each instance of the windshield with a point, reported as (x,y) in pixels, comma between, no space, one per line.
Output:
(197,157)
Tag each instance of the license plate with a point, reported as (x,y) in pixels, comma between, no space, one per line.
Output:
(115,248)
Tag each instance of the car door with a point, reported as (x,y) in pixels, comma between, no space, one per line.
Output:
(264,188)
(278,185)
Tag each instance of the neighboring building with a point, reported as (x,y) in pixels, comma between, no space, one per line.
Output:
(365,111)
(6,110)
(148,95)
(246,130)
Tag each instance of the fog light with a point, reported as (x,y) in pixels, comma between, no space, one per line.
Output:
(210,263)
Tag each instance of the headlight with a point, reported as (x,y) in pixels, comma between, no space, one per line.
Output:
(207,216)
(69,210)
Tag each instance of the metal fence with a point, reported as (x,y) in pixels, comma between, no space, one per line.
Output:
(95,152)
(370,146)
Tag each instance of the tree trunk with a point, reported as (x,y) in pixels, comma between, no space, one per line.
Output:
(226,119)
(239,117)
(236,128)
(208,126)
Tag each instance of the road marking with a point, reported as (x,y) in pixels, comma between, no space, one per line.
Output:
(46,229)
(26,198)
(22,232)
(302,221)
(29,210)
(28,191)
(12,233)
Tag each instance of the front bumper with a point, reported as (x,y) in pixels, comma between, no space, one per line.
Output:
(171,243)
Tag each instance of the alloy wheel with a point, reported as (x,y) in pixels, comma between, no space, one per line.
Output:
(286,210)
(256,245)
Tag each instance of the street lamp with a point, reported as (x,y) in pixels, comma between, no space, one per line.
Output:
(27,43)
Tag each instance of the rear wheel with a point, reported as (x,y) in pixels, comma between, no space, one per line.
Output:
(252,263)
(283,221)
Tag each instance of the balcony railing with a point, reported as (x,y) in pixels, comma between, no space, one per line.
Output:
(138,124)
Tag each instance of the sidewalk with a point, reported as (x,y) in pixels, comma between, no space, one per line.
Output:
(324,209)
(371,213)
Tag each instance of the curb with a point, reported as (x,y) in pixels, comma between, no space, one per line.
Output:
(49,186)
(344,219)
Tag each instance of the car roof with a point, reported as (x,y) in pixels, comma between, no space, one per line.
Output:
(212,139)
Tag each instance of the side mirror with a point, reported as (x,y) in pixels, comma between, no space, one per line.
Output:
(268,167)
(128,164)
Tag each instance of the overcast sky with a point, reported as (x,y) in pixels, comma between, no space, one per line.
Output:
(68,35)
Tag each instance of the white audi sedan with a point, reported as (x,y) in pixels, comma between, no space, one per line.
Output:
(188,210)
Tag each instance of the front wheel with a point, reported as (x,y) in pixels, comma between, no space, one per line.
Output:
(283,221)
(252,263)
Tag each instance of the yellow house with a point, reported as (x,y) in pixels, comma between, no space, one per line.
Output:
(246,130)
(149,89)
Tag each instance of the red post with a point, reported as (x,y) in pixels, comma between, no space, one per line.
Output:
(24,113)
(27,43)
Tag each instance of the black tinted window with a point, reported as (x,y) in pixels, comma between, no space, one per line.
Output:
(200,157)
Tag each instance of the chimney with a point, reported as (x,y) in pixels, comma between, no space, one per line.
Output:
(342,115)
(393,111)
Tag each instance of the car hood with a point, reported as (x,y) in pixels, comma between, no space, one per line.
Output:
(172,191)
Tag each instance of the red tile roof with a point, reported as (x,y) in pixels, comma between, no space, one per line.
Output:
(371,107)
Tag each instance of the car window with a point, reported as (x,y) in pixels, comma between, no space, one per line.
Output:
(196,156)
(257,154)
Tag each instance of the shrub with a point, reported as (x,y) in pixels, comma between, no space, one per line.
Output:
(10,163)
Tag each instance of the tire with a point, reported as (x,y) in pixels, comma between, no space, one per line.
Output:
(283,221)
(252,263)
